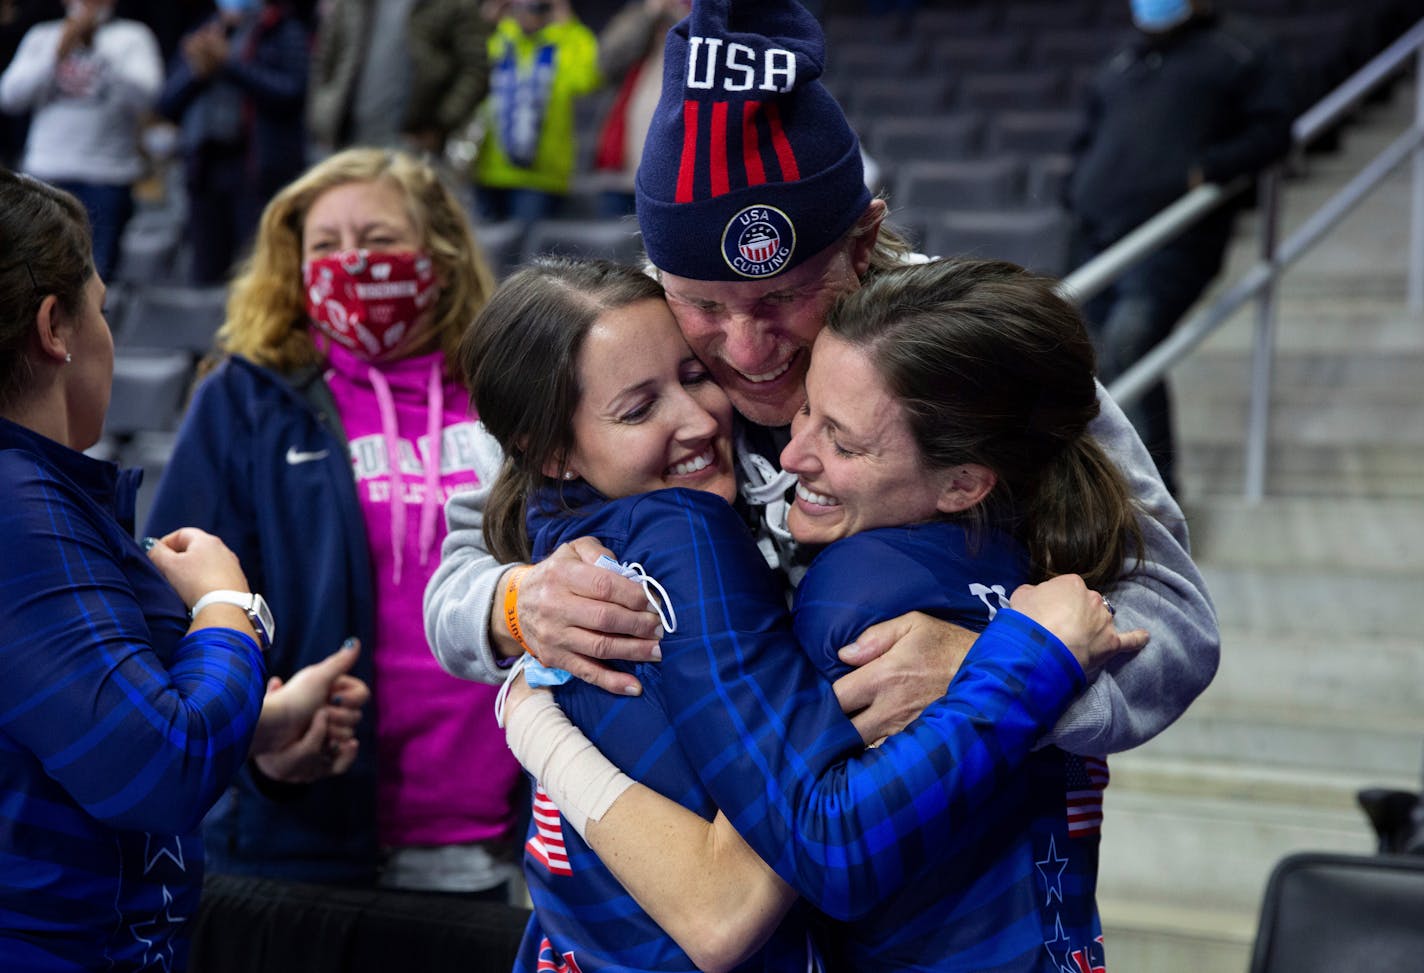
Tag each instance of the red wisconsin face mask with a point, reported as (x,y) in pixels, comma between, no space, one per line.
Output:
(369,303)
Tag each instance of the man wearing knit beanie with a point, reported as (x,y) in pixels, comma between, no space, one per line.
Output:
(754,212)
(750,184)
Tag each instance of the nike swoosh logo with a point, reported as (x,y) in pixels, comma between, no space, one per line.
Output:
(296,456)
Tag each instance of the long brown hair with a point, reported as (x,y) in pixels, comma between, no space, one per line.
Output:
(520,361)
(993,368)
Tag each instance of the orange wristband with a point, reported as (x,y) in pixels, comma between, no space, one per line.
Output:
(511,607)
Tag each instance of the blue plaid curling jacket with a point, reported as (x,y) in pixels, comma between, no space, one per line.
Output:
(736,717)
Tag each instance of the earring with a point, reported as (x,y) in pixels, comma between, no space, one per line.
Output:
(568,474)
(68,357)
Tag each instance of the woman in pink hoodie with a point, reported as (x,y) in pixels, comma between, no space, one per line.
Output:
(322,449)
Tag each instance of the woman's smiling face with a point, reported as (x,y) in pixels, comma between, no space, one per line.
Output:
(857,463)
(649,414)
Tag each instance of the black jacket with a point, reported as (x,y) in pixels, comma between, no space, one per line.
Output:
(1213,94)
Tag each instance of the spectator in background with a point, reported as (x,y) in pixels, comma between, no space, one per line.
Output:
(236,90)
(397,72)
(542,59)
(1194,98)
(16,18)
(88,81)
(321,450)
(630,54)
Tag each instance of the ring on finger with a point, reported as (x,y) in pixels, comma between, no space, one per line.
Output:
(1112,610)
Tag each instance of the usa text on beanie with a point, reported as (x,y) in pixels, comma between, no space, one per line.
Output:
(750,167)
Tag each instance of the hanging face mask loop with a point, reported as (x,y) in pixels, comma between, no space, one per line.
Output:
(656,594)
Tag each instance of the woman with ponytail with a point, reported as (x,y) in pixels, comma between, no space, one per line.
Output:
(943,460)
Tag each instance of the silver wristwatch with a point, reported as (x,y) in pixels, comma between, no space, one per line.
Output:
(255,606)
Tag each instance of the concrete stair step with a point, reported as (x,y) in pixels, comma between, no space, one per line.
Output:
(1330,419)
(1324,316)
(1204,837)
(1378,745)
(1323,324)
(1380,678)
(1166,938)
(1188,847)
(1303,377)
(1341,533)
(1352,607)
(1213,468)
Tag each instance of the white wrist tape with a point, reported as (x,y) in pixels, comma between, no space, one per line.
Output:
(578,778)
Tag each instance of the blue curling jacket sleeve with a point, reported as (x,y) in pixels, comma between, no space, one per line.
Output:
(842,825)
(141,724)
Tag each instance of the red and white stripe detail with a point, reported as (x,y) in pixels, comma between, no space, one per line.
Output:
(547,845)
(719,161)
(1085,797)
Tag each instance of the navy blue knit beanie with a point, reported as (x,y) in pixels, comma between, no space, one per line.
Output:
(750,167)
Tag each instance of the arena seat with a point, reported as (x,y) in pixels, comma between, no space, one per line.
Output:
(971,18)
(875,98)
(958,56)
(1048,177)
(503,245)
(173,316)
(1324,911)
(1031,133)
(256,925)
(614,239)
(1074,46)
(1025,15)
(148,391)
(897,141)
(1031,89)
(972,184)
(1036,239)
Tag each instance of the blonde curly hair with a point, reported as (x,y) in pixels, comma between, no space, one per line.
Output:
(266,308)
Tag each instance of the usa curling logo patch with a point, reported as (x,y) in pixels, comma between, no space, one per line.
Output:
(758,241)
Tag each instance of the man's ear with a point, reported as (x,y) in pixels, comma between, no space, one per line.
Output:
(52,330)
(964,486)
(865,235)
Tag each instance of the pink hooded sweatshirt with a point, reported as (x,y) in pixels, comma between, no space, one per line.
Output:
(445,774)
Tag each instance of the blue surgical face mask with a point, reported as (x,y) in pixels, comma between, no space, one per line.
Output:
(1160,15)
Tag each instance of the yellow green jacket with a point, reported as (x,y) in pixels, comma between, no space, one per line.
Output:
(548,69)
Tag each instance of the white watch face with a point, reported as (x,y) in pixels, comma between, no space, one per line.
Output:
(262,618)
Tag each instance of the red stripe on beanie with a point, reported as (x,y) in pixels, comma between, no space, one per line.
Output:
(718,162)
(688,168)
(784,156)
(751,148)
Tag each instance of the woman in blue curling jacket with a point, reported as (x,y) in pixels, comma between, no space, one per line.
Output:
(580,373)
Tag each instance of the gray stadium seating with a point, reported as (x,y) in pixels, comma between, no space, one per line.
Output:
(1037,239)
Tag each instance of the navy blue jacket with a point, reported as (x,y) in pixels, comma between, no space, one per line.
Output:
(1214,94)
(262,462)
(118,727)
(266,88)
(736,718)
(1020,897)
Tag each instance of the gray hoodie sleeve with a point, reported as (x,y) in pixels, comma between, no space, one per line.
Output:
(1137,696)
(460,593)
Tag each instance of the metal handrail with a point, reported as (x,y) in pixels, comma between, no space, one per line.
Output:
(1261,279)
